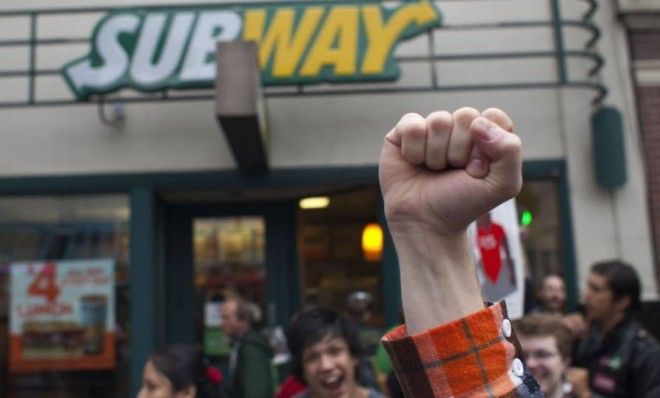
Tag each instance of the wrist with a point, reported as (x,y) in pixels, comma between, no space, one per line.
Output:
(438,277)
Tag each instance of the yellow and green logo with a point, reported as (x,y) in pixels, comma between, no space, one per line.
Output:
(151,50)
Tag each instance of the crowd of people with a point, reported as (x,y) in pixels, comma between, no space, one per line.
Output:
(438,174)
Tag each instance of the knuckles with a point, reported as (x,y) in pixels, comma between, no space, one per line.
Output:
(439,122)
(416,132)
(464,116)
(411,125)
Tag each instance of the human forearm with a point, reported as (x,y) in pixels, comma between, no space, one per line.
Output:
(438,279)
(437,175)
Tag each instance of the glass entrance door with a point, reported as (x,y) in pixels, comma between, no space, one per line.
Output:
(213,252)
(229,260)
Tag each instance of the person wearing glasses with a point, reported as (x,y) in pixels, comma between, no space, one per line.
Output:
(547,345)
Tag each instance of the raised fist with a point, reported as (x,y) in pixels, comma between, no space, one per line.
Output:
(439,173)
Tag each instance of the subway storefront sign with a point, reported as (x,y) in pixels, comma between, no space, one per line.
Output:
(152,50)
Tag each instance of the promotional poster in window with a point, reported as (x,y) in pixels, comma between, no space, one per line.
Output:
(62,315)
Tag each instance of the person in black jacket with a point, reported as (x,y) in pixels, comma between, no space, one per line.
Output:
(622,358)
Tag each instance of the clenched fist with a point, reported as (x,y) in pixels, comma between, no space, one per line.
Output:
(437,175)
(443,171)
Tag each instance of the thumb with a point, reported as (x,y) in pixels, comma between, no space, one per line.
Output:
(502,150)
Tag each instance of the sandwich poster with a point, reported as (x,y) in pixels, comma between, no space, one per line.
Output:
(497,249)
(62,315)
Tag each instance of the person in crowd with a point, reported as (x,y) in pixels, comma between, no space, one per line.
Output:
(325,354)
(358,308)
(551,295)
(547,344)
(438,174)
(179,371)
(622,358)
(250,373)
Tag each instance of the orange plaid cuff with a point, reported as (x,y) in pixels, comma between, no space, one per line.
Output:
(476,356)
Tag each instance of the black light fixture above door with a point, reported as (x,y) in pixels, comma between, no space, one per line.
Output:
(240,106)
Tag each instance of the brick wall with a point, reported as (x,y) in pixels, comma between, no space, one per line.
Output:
(644,39)
(648,98)
(645,44)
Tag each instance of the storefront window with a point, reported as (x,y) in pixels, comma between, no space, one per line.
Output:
(333,262)
(64,296)
(538,207)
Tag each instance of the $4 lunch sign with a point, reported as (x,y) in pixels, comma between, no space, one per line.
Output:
(62,316)
(155,49)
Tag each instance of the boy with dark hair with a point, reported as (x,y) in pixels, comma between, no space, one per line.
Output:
(326,350)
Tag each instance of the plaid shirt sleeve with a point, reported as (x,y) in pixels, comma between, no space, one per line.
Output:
(476,356)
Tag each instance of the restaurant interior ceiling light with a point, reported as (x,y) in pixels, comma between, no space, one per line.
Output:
(314,202)
(372,242)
